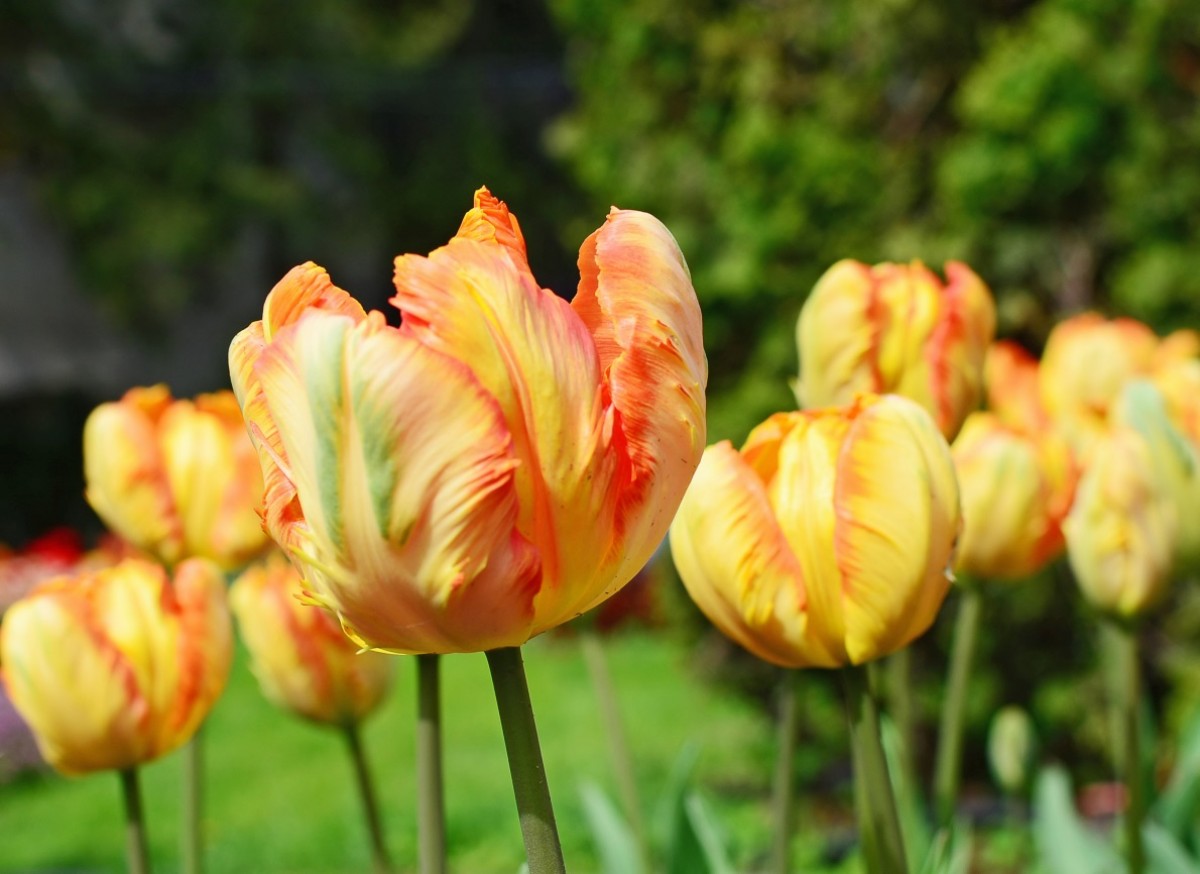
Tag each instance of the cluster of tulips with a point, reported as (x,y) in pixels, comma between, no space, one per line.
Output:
(504,461)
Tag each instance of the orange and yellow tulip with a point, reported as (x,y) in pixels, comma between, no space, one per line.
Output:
(896,328)
(176,478)
(1121,529)
(501,462)
(303,661)
(1016,490)
(1086,362)
(827,539)
(1010,376)
(119,666)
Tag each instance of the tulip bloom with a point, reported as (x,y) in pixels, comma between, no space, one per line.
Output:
(896,328)
(176,478)
(1086,362)
(120,666)
(1016,490)
(1121,529)
(302,659)
(827,539)
(1011,382)
(501,462)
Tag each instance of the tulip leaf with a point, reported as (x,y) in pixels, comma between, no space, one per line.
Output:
(1179,803)
(1164,853)
(949,851)
(670,803)
(709,836)
(616,844)
(909,804)
(1064,842)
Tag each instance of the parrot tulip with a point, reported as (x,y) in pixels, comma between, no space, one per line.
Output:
(302,659)
(896,328)
(119,666)
(827,539)
(176,478)
(501,462)
(1016,490)
(1121,529)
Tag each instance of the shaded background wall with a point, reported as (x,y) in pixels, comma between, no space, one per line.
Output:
(163,162)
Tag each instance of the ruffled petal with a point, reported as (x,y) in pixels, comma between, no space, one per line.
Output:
(405,469)
(636,299)
(475,301)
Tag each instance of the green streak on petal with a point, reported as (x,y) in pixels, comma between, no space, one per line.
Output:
(377,444)
(323,380)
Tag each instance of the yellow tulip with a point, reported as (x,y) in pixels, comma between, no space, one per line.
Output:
(501,462)
(119,666)
(302,659)
(1143,407)
(1011,384)
(896,328)
(827,539)
(1086,362)
(176,478)
(1016,489)
(1121,529)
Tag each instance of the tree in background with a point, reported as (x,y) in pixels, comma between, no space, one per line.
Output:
(1050,144)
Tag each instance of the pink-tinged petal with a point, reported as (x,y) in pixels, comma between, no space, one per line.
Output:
(738,567)
(894,565)
(405,469)
(476,302)
(635,296)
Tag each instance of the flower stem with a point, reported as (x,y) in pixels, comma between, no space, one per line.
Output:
(525,762)
(898,680)
(782,794)
(950,736)
(366,790)
(431,819)
(1128,700)
(614,730)
(878,822)
(135,829)
(193,804)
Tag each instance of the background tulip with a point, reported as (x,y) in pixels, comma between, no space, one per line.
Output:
(1016,489)
(826,540)
(500,463)
(1121,529)
(120,666)
(1086,362)
(176,478)
(302,659)
(896,328)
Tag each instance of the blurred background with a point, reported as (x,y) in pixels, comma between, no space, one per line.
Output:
(162,163)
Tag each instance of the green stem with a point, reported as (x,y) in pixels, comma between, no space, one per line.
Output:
(878,822)
(135,829)
(366,791)
(950,736)
(899,682)
(618,745)
(525,762)
(1128,700)
(193,804)
(781,796)
(431,818)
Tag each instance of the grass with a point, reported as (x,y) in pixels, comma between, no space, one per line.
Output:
(280,791)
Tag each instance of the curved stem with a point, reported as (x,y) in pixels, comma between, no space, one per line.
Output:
(614,732)
(193,804)
(782,794)
(135,830)
(950,736)
(1128,698)
(525,762)
(366,791)
(431,818)
(878,821)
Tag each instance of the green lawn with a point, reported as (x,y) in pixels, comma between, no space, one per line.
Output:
(280,795)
